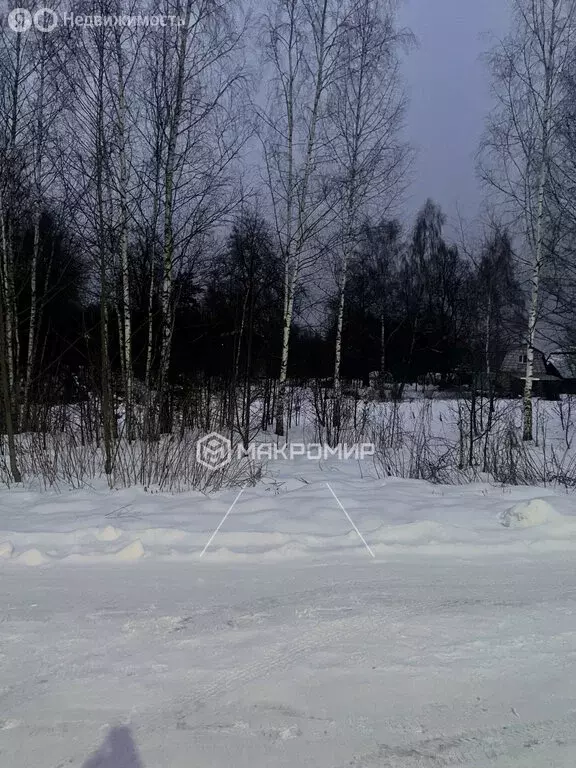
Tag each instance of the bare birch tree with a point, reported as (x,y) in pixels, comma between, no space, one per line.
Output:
(193,134)
(46,95)
(522,140)
(125,52)
(302,47)
(16,68)
(30,99)
(89,182)
(5,385)
(366,108)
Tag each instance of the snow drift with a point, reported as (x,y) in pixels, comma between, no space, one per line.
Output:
(285,517)
(529,514)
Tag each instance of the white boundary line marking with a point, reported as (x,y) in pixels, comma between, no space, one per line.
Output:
(223,520)
(350,520)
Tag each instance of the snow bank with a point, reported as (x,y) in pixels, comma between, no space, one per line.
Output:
(530,514)
(285,517)
(6,549)
(108,534)
(130,552)
(32,557)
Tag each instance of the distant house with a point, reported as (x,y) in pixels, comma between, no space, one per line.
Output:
(564,362)
(512,375)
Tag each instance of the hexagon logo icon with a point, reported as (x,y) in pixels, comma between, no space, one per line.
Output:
(213,451)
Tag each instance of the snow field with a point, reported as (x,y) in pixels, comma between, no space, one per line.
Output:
(290,516)
(287,644)
(419,663)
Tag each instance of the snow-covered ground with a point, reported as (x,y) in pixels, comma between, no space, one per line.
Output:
(291,515)
(287,643)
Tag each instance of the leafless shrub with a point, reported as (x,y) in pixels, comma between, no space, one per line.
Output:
(62,460)
(407,446)
(69,451)
(473,446)
(565,409)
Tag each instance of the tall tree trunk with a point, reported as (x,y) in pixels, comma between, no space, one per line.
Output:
(382,352)
(293,252)
(11,315)
(535,286)
(338,344)
(32,325)
(100,150)
(150,421)
(7,399)
(248,379)
(488,333)
(167,304)
(5,353)
(7,288)
(126,334)
(287,325)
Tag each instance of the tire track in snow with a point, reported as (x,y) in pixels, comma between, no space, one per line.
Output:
(277,658)
(374,609)
(485,745)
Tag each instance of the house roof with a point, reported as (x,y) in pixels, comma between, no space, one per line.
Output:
(514,363)
(564,363)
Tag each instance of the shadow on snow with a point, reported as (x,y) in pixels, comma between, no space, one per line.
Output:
(118,751)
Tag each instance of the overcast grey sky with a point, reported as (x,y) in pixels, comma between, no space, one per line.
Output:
(449,90)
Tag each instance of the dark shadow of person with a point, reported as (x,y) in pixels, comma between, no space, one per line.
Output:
(118,751)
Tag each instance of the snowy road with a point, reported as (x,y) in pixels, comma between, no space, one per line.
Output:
(356,663)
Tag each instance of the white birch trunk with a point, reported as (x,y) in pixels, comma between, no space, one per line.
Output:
(6,394)
(365,122)
(126,331)
(100,149)
(538,258)
(167,307)
(32,325)
(338,343)
(152,283)
(298,198)
(286,328)
(8,299)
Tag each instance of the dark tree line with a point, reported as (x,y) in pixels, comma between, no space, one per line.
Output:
(415,306)
(418,306)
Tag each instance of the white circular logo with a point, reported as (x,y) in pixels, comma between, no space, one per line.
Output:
(19,20)
(45,19)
